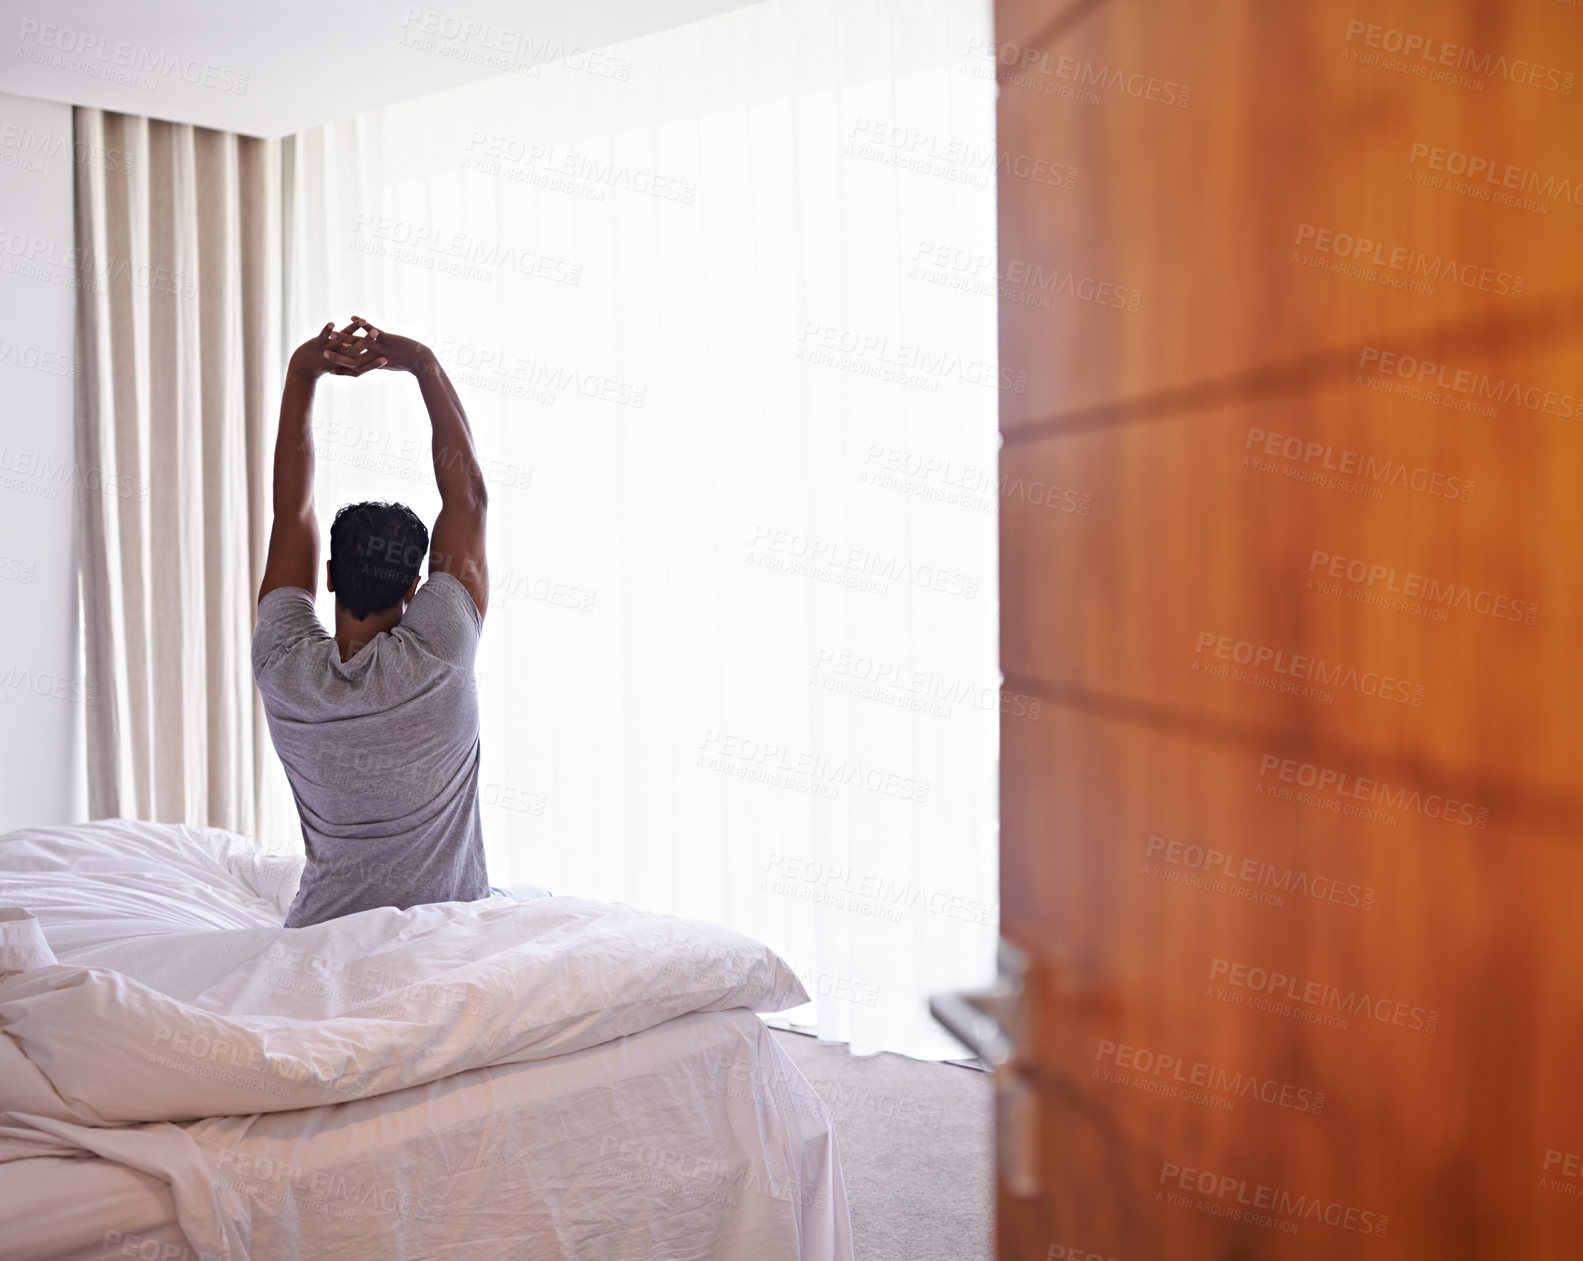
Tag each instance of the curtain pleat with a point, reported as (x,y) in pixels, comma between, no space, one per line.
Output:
(178,317)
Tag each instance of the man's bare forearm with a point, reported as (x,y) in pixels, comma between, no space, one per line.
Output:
(293,490)
(456,468)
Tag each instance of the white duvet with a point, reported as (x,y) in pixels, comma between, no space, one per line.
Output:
(162,989)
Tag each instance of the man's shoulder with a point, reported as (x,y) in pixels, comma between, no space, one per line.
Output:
(287,619)
(443,619)
(447,590)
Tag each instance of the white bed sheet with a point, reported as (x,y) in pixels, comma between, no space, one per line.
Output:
(694,1138)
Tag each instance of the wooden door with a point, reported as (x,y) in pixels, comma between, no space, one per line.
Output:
(1291,549)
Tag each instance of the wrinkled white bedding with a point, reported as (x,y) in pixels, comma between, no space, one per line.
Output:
(389,1051)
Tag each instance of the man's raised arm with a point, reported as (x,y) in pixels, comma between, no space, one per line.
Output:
(457,544)
(293,559)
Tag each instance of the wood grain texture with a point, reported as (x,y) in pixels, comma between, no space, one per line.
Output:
(1295,839)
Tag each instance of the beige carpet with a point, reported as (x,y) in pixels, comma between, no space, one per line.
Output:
(915,1145)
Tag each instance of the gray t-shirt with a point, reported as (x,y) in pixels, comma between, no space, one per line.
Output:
(381,751)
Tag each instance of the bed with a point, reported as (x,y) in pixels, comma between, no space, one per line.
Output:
(180,1077)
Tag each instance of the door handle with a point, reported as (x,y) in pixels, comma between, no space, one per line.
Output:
(992,1025)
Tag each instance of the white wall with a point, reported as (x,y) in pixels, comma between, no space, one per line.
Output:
(42,698)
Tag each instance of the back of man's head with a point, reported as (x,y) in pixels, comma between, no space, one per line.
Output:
(376,550)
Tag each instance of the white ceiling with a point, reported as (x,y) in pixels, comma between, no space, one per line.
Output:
(275,68)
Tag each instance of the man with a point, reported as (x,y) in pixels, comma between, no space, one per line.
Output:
(377,724)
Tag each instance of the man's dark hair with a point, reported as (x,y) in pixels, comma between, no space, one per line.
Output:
(376,551)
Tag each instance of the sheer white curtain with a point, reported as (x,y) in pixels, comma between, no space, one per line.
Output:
(721,305)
